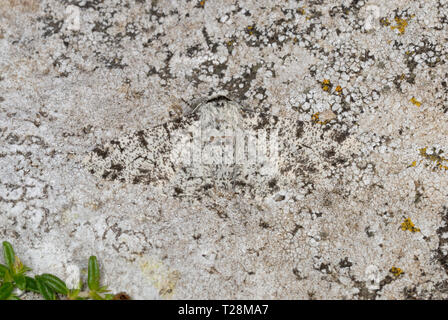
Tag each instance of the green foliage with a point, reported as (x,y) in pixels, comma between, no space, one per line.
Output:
(8,254)
(93,279)
(13,276)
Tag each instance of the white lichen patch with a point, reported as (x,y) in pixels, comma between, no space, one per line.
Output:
(160,276)
(354,92)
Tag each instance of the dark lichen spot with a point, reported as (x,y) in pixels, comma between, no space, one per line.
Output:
(240,183)
(296,272)
(178,190)
(296,229)
(299,129)
(324,268)
(51,25)
(273,184)
(330,153)
(12,138)
(141,138)
(263,122)
(340,136)
(116,167)
(345,263)
(118,144)
(102,153)
(441,253)
(264,224)
(368,232)
(137,179)
(207,186)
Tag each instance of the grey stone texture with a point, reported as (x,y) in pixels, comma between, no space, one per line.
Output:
(365,214)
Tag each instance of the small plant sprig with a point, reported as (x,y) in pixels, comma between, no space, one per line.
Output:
(13,276)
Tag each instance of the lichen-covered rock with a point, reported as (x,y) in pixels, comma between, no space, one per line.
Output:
(349,204)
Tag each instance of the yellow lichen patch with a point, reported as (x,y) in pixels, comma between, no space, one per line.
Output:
(68,216)
(162,277)
(94,205)
(301,11)
(324,117)
(385,22)
(338,89)
(396,271)
(413,164)
(422,152)
(401,25)
(251,30)
(436,158)
(326,85)
(416,102)
(408,225)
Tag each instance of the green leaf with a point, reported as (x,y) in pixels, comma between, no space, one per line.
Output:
(103,289)
(8,254)
(93,277)
(109,296)
(20,281)
(31,284)
(73,294)
(7,277)
(3,270)
(44,290)
(19,267)
(6,290)
(95,296)
(54,283)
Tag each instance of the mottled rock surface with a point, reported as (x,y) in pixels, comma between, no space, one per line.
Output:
(365,81)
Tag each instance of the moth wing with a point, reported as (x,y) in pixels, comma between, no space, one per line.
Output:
(145,156)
